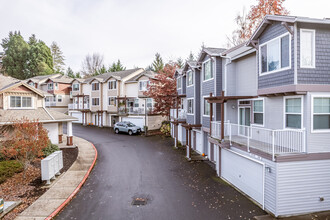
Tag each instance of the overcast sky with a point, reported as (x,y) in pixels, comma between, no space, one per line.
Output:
(133,31)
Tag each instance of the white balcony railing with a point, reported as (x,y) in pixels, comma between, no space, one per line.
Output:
(134,110)
(50,104)
(79,106)
(274,142)
(182,114)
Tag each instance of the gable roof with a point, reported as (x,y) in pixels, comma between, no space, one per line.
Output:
(268,19)
(148,73)
(211,51)
(178,72)
(7,82)
(189,64)
(238,51)
(119,75)
(42,78)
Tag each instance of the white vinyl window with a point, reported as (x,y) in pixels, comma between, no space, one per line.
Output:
(112,101)
(150,103)
(321,113)
(95,101)
(95,86)
(20,102)
(179,81)
(143,85)
(112,85)
(50,86)
(190,78)
(190,103)
(59,98)
(207,108)
(293,113)
(56,86)
(207,70)
(275,55)
(258,112)
(136,103)
(75,87)
(307,48)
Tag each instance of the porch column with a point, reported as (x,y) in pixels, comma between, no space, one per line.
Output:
(60,132)
(211,114)
(175,135)
(69,133)
(189,146)
(83,118)
(222,117)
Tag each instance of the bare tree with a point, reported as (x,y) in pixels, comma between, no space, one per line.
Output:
(240,35)
(92,64)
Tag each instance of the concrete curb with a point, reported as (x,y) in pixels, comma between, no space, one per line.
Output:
(58,196)
(73,194)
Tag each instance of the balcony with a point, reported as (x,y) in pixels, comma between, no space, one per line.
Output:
(76,106)
(50,104)
(182,114)
(273,142)
(134,110)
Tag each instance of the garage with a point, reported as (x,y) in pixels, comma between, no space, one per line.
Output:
(199,141)
(77,115)
(246,174)
(52,129)
(139,121)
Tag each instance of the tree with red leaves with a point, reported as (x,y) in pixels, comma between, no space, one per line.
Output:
(163,90)
(25,142)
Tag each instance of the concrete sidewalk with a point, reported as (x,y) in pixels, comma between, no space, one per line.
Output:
(65,186)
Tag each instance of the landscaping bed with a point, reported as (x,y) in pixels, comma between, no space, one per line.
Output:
(30,188)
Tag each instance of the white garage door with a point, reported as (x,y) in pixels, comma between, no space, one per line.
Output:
(52,132)
(244,173)
(199,141)
(77,115)
(139,121)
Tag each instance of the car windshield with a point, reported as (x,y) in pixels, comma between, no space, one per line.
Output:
(131,125)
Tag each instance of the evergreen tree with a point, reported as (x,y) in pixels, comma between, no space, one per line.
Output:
(180,62)
(15,55)
(116,67)
(100,70)
(158,64)
(58,58)
(191,57)
(70,73)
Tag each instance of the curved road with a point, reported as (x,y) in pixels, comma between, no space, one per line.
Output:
(130,167)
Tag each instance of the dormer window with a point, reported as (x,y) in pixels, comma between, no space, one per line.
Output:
(143,85)
(75,87)
(95,86)
(20,102)
(207,70)
(275,54)
(112,85)
(50,86)
(179,80)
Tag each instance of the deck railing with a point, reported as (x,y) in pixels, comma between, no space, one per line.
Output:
(182,114)
(274,142)
(80,106)
(134,110)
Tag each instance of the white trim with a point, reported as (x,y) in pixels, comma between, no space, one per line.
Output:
(295,54)
(95,98)
(280,52)
(32,102)
(92,86)
(203,108)
(193,112)
(109,84)
(313,48)
(263,112)
(146,85)
(177,84)
(78,87)
(315,131)
(109,101)
(187,78)
(212,70)
(301,111)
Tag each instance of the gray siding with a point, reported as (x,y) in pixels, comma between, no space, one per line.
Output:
(184,85)
(285,77)
(190,119)
(321,73)
(316,142)
(300,186)
(231,113)
(274,112)
(179,91)
(197,96)
(231,79)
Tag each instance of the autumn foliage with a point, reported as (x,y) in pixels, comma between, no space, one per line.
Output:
(25,141)
(163,90)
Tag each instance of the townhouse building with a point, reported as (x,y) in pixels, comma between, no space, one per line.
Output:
(56,88)
(108,98)
(19,100)
(271,140)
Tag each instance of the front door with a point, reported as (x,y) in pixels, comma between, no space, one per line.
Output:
(244,120)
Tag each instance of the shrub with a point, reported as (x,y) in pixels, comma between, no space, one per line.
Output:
(9,168)
(51,148)
(166,128)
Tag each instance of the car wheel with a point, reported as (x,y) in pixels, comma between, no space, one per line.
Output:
(130,132)
(117,131)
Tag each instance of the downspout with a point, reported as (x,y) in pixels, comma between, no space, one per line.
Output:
(228,61)
(295,37)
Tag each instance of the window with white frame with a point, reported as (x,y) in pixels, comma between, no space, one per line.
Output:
(190,78)
(149,102)
(258,112)
(190,103)
(207,108)
(136,103)
(95,86)
(275,54)
(56,86)
(307,48)
(59,98)
(31,83)
(112,85)
(179,81)
(293,112)
(112,101)
(50,86)
(321,113)
(95,101)
(143,85)
(75,87)
(207,70)
(20,102)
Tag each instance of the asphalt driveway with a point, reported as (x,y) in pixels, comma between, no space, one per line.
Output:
(130,167)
